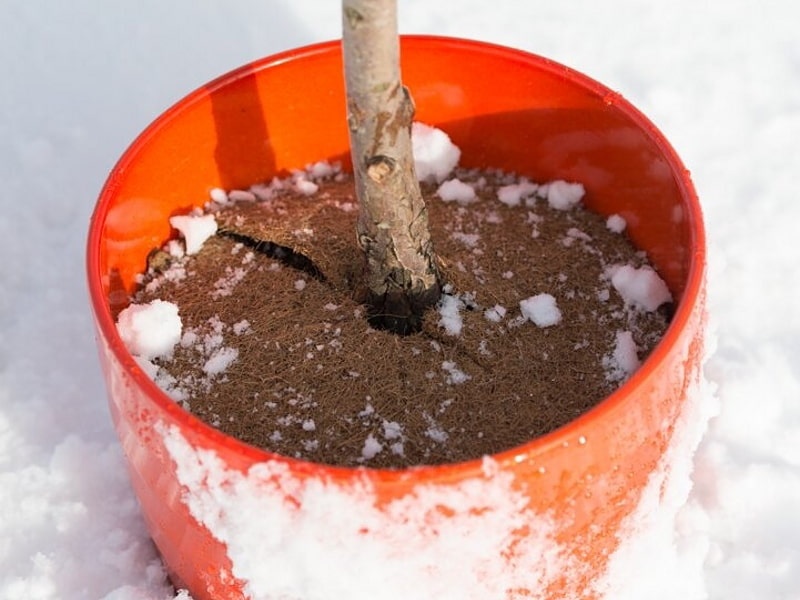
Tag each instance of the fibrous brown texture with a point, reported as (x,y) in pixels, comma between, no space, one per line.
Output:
(312,379)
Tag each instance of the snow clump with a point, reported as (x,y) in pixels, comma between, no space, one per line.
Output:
(322,169)
(218,195)
(563,195)
(639,288)
(450,314)
(371,447)
(435,156)
(150,330)
(514,193)
(306,187)
(496,313)
(616,223)
(541,310)
(195,229)
(455,190)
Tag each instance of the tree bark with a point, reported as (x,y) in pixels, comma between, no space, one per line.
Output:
(402,277)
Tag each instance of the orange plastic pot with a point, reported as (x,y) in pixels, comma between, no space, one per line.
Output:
(573,488)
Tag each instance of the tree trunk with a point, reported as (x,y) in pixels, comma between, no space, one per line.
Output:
(402,277)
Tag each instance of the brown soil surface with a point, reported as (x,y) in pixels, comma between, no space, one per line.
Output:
(312,380)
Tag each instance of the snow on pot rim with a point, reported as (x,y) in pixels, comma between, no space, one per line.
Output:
(131,218)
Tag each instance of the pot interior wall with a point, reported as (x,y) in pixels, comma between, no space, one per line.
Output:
(266,121)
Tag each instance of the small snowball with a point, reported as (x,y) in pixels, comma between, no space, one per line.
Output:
(321,169)
(190,338)
(242,196)
(640,288)
(309,425)
(306,187)
(371,447)
(495,314)
(563,195)
(616,223)
(300,285)
(194,229)
(435,156)
(449,311)
(455,190)
(218,195)
(513,194)
(541,310)
(150,330)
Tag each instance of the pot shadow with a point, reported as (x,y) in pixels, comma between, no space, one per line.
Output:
(241,130)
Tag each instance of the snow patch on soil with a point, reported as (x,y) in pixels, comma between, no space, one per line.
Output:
(541,310)
(455,376)
(624,360)
(450,307)
(640,288)
(563,195)
(371,447)
(195,229)
(220,360)
(455,190)
(514,194)
(435,156)
(496,313)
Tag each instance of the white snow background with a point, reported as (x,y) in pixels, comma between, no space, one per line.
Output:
(79,80)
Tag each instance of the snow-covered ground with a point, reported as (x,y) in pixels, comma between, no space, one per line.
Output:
(80,79)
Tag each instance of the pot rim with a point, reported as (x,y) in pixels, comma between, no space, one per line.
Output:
(572,431)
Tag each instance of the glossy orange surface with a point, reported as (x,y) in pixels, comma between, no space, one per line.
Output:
(504,108)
